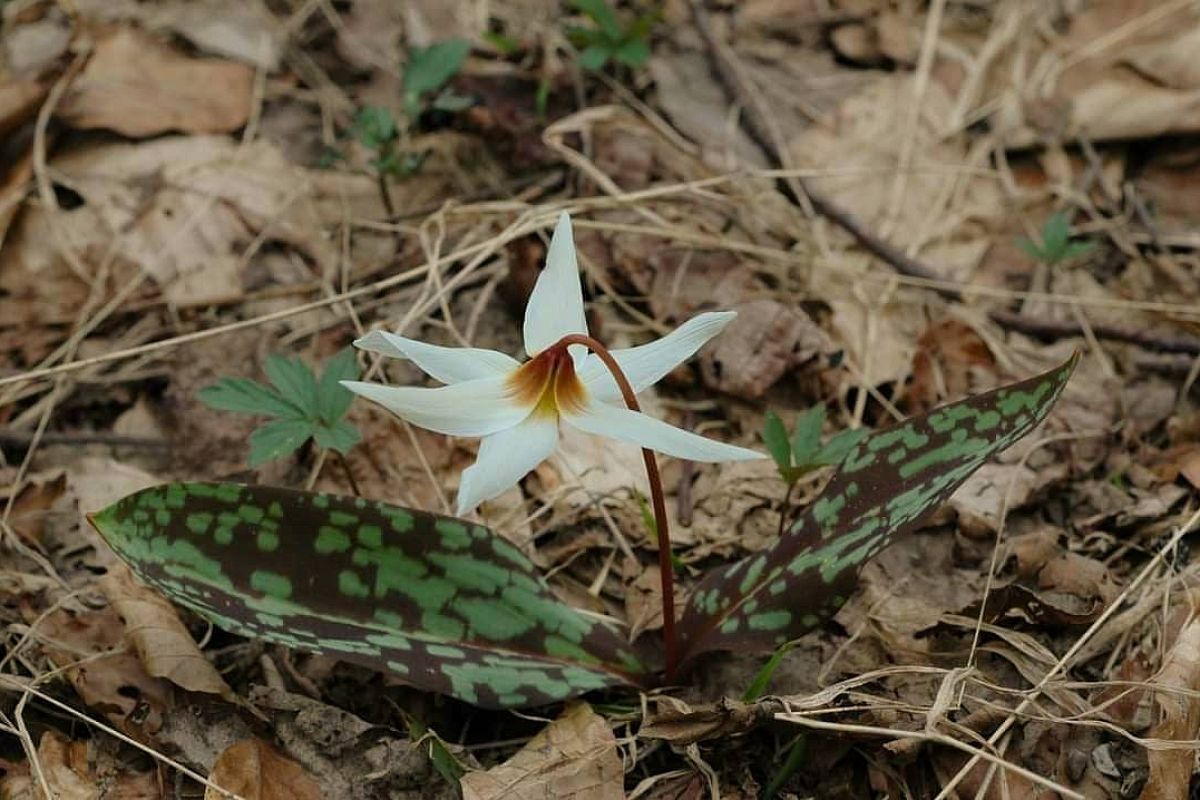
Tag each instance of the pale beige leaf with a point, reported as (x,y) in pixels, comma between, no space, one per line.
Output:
(574,757)
(254,770)
(136,85)
(162,642)
(1179,709)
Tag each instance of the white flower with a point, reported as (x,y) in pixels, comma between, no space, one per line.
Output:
(516,407)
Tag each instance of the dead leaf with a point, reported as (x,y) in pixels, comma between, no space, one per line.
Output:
(1179,717)
(19,101)
(643,602)
(992,489)
(162,642)
(183,210)
(347,756)
(573,757)
(1078,576)
(233,28)
(951,361)
(674,721)
(33,502)
(765,341)
(255,770)
(137,86)
(1189,466)
(115,684)
(63,764)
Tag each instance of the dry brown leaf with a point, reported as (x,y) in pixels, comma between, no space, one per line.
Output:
(674,721)
(63,764)
(33,502)
(765,341)
(136,85)
(643,602)
(951,361)
(162,642)
(1170,770)
(116,684)
(573,757)
(990,490)
(19,101)
(210,201)
(255,770)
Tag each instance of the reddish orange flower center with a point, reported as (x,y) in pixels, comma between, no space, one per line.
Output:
(548,383)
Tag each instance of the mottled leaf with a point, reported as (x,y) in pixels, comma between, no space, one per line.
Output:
(446,604)
(887,485)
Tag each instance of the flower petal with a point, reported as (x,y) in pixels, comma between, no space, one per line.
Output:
(504,458)
(614,422)
(470,408)
(556,304)
(645,366)
(446,364)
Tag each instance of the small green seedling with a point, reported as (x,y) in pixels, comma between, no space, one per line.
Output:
(301,407)
(609,40)
(428,71)
(376,129)
(1056,244)
(803,452)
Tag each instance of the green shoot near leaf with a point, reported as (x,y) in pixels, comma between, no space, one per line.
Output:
(302,407)
(762,679)
(431,68)
(1056,244)
(804,452)
(610,40)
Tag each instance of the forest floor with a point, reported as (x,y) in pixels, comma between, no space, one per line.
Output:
(906,202)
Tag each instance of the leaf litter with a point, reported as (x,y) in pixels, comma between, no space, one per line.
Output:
(195,172)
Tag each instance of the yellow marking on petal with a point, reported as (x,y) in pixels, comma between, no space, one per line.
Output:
(548,383)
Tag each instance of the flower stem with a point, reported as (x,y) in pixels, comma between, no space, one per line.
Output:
(349,473)
(657,500)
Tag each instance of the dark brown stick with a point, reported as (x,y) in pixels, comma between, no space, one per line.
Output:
(754,121)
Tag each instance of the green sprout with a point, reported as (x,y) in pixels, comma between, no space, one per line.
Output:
(803,452)
(301,407)
(610,40)
(1056,244)
(429,70)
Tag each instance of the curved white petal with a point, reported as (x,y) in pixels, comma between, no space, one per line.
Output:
(446,364)
(614,422)
(556,304)
(504,458)
(470,408)
(647,364)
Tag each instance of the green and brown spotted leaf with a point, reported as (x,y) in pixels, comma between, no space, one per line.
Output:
(446,604)
(888,484)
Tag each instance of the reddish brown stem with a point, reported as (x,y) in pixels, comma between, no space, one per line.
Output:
(657,500)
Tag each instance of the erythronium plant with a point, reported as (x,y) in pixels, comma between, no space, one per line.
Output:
(453,608)
(517,407)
